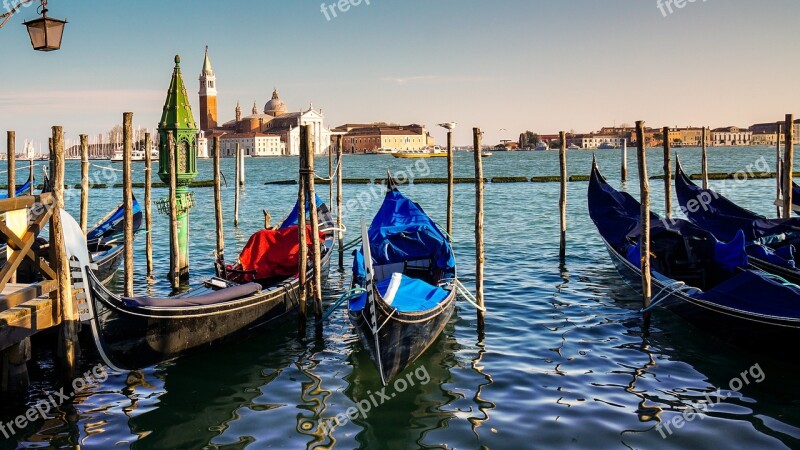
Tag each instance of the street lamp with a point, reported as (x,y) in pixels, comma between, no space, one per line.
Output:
(45,32)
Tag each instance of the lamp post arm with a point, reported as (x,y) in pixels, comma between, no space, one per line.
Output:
(7,15)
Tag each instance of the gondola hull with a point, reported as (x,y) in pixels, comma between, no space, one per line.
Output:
(755,332)
(402,337)
(135,337)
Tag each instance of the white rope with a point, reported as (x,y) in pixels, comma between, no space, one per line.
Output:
(106,167)
(387,319)
(666,291)
(23,168)
(335,170)
(467,295)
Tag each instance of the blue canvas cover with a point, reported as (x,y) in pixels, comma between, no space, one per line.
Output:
(401,231)
(722,217)
(412,296)
(291,219)
(752,292)
(108,227)
(22,190)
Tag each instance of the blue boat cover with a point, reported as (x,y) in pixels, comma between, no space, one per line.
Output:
(22,190)
(722,217)
(412,296)
(108,227)
(291,219)
(401,231)
(745,290)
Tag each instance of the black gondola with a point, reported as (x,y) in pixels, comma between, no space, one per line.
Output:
(771,243)
(138,332)
(407,269)
(701,279)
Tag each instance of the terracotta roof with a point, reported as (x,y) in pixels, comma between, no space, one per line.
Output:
(244,135)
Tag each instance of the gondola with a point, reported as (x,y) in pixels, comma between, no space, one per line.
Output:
(699,278)
(21,191)
(771,243)
(407,269)
(138,332)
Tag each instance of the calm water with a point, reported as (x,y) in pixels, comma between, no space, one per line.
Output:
(564,362)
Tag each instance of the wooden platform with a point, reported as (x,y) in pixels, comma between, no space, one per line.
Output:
(24,311)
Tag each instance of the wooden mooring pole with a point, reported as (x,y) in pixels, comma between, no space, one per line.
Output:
(148,203)
(302,293)
(450,179)
(704,158)
(127,199)
(623,171)
(330,177)
(68,347)
(339,197)
(11,159)
(238,184)
(644,189)
(778,170)
(480,251)
(174,260)
(562,203)
(788,166)
(220,251)
(667,175)
(84,183)
(307,138)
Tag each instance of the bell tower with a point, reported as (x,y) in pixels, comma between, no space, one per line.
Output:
(208,96)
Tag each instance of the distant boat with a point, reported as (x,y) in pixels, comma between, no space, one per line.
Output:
(607,146)
(573,147)
(136,155)
(435,152)
(486,154)
(540,146)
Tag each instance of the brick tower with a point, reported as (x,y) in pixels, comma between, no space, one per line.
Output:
(208,96)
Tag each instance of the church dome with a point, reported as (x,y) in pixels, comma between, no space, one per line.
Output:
(275,107)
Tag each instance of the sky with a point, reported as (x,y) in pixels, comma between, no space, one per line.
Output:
(505,66)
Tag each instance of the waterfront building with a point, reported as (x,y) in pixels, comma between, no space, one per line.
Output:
(762,130)
(252,144)
(369,138)
(731,136)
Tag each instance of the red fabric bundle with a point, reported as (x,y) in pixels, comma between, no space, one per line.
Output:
(272,253)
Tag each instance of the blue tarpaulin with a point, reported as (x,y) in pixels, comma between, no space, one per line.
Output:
(109,226)
(291,219)
(22,190)
(401,231)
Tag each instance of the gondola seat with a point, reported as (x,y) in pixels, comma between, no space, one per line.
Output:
(220,296)
(412,296)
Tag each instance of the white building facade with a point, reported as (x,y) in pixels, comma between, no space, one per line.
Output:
(724,137)
(252,144)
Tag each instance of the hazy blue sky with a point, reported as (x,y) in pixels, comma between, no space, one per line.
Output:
(501,64)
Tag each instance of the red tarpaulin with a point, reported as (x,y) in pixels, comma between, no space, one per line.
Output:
(270,254)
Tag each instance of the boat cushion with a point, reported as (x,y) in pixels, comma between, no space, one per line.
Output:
(220,296)
(272,253)
(412,296)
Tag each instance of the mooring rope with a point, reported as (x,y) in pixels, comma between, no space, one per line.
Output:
(335,170)
(347,296)
(23,168)
(666,291)
(467,295)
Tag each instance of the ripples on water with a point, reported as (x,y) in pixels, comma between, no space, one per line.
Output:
(564,362)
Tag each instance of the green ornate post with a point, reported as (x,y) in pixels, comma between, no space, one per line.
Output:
(178,119)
